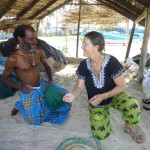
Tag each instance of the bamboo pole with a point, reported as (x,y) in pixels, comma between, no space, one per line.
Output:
(127,32)
(130,41)
(144,47)
(78,28)
(37,28)
(66,48)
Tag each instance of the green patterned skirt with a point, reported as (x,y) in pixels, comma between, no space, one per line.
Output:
(100,118)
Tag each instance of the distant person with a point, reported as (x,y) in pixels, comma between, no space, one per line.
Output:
(103,77)
(25,63)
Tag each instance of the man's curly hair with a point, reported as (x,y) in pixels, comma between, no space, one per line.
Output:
(21,31)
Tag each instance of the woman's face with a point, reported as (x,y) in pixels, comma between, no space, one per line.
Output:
(87,47)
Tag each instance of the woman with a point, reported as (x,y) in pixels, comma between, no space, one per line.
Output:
(103,77)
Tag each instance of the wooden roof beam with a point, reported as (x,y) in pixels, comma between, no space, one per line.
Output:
(10,22)
(6,8)
(129,6)
(44,8)
(123,11)
(146,3)
(83,4)
(122,8)
(24,11)
(54,9)
(141,17)
(125,14)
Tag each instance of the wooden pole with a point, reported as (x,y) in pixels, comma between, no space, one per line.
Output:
(130,41)
(66,48)
(78,28)
(37,28)
(141,17)
(127,32)
(144,47)
(65,26)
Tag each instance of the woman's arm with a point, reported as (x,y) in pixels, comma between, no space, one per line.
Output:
(77,90)
(120,87)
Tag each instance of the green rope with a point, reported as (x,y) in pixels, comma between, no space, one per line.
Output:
(74,141)
(95,139)
(84,142)
(54,96)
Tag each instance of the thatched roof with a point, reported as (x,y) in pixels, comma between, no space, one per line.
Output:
(13,12)
(91,14)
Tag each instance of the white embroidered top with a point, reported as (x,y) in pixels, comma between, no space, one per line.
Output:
(110,69)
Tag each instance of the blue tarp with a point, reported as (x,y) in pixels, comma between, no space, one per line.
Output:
(114,35)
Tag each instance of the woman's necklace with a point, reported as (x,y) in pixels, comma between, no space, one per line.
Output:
(29,60)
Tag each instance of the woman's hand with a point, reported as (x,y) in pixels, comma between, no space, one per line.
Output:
(69,97)
(97,99)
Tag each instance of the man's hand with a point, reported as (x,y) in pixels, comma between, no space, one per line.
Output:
(49,82)
(27,89)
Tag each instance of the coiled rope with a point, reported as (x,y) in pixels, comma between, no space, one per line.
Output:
(90,142)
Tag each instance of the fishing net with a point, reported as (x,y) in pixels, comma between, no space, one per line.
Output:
(5,90)
(54,95)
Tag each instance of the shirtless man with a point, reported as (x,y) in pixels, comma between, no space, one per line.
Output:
(25,63)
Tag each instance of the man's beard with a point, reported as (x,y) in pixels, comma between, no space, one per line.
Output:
(29,47)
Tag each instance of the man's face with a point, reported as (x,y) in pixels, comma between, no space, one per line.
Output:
(30,40)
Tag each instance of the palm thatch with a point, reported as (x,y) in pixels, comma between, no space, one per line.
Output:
(14,12)
(96,14)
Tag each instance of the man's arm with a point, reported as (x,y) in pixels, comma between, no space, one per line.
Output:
(9,67)
(47,67)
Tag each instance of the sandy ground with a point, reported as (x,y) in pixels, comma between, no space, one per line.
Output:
(16,135)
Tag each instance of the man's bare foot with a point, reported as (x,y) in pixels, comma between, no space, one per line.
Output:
(14,111)
(135,132)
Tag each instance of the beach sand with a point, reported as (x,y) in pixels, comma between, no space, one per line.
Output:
(15,134)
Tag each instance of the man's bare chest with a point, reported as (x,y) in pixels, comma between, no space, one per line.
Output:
(27,62)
